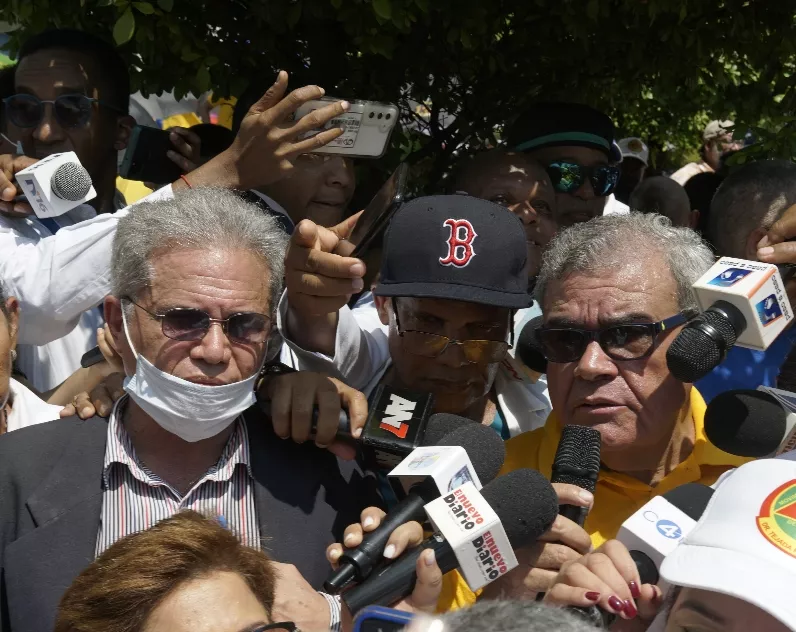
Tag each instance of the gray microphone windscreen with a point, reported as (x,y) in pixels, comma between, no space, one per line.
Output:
(70,182)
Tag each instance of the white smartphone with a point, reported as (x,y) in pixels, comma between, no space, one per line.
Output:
(368,127)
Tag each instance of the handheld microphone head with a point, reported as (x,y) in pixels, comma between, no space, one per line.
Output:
(577,460)
(746,423)
(484,447)
(529,351)
(70,182)
(526,504)
(704,342)
(441,424)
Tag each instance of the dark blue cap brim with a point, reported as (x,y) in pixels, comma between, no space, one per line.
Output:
(455,292)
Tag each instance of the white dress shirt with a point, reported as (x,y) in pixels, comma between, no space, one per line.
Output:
(27,408)
(58,280)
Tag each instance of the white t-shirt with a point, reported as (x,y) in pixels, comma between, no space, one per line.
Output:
(28,409)
(615,207)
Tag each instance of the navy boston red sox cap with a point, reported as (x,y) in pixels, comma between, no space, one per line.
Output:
(456,247)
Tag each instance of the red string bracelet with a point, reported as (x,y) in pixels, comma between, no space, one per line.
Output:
(185,180)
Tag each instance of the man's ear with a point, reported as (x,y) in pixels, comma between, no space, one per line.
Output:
(124,127)
(12,308)
(384,307)
(112,309)
(751,243)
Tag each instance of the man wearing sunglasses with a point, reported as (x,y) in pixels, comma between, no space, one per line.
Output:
(615,291)
(454,272)
(575,144)
(195,281)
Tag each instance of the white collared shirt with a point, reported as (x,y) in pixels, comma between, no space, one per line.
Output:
(27,408)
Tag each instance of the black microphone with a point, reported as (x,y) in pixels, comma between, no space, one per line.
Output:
(397,424)
(529,350)
(577,462)
(704,342)
(524,502)
(750,424)
(486,451)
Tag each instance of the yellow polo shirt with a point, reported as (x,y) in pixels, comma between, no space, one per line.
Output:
(617,496)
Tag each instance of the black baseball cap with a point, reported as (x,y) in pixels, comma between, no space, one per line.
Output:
(557,124)
(456,247)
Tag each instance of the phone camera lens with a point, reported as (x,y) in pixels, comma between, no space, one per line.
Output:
(388,116)
(371,115)
(380,115)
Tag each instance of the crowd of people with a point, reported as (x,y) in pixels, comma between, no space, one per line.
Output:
(194,479)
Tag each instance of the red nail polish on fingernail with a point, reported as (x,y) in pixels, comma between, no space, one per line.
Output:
(615,603)
(634,590)
(592,596)
(630,610)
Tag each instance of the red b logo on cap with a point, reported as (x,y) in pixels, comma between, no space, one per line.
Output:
(460,243)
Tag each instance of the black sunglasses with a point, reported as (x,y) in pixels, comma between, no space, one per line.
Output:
(619,342)
(568,177)
(71,110)
(188,323)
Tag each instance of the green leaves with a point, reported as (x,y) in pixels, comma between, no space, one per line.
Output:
(383,8)
(124,28)
(166,5)
(144,7)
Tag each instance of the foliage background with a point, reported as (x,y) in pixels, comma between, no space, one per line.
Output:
(459,69)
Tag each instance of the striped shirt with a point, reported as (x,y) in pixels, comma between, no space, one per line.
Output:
(135,499)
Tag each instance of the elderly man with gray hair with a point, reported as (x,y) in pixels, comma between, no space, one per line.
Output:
(195,280)
(614,292)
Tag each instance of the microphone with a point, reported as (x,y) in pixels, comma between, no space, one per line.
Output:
(750,424)
(476,454)
(520,505)
(529,351)
(577,462)
(56,184)
(744,303)
(397,423)
(652,533)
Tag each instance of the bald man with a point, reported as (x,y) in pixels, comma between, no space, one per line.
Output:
(664,196)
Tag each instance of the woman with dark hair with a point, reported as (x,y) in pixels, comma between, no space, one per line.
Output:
(186,574)
(19,406)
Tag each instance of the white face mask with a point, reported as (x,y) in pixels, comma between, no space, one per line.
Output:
(191,411)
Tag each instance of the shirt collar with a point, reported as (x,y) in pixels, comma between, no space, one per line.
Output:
(120,450)
(689,471)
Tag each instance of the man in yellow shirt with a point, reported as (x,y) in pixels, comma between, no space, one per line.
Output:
(614,292)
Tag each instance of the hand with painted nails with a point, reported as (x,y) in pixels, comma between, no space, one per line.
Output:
(293,397)
(320,277)
(539,563)
(609,579)
(410,534)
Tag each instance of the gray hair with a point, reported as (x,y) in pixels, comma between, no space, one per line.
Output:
(604,242)
(513,616)
(200,218)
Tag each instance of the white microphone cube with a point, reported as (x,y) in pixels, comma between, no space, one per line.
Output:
(36,184)
(656,529)
(756,289)
(475,534)
(449,466)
